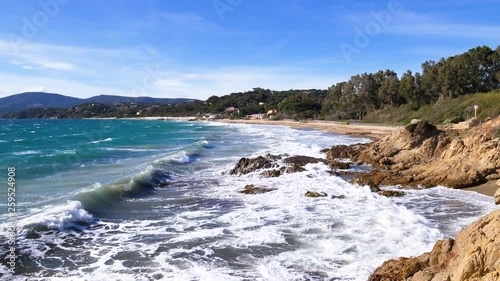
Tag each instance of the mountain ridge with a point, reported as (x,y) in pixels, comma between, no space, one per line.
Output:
(28,100)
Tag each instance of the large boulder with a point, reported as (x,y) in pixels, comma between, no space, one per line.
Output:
(273,165)
(473,256)
(249,165)
(422,155)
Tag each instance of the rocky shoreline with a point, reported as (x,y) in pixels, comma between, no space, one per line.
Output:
(416,156)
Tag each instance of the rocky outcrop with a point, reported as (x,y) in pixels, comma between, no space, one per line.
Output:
(249,165)
(252,189)
(473,256)
(422,155)
(344,151)
(275,165)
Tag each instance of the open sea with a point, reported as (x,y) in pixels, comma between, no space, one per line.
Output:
(150,200)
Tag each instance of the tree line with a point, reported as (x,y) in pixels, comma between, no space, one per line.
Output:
(476,71)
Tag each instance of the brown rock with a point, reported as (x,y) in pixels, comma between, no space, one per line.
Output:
(421,155)
(294,168)
(302,160)
(314,194)
(249,165)
(338,165)
(473,256)
(391,193)
(497,197)
(252,189)
(345,151)
(271,173)
(398,270)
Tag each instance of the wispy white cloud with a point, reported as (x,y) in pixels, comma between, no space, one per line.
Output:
(30,64)
(142,71)
(226,80)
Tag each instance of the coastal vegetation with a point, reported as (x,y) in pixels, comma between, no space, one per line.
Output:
(444,91)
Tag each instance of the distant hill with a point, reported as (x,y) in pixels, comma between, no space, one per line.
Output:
(108,99)
(41,100)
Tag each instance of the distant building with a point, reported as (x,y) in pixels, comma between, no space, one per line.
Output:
(272,111)
(211,117)
(261,103)
(255,116)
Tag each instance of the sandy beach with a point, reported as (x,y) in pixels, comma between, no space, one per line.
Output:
(373,132)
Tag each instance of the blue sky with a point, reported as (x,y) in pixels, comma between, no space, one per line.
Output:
(214,47)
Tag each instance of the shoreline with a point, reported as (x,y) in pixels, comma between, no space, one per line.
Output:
(487,189)
(374,132)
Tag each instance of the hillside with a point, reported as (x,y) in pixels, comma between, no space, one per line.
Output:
(444,111)
(35,100)
(108,99)
(32,100)
(443,91)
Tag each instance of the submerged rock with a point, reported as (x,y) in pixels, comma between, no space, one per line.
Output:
(271,173)
(252,189)
(391,193)
(294,168)
(474,255)
(314,194)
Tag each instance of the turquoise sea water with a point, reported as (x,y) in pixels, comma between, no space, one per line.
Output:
(150,200)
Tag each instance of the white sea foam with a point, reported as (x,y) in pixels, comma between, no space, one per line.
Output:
(62,152)
(127,149)
(104,140)
(27,152)
(181,157)
(59,217)
(215,233)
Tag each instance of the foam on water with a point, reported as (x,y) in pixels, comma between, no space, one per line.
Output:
(104,140)
(27,152)
(201,228)
(59,217)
